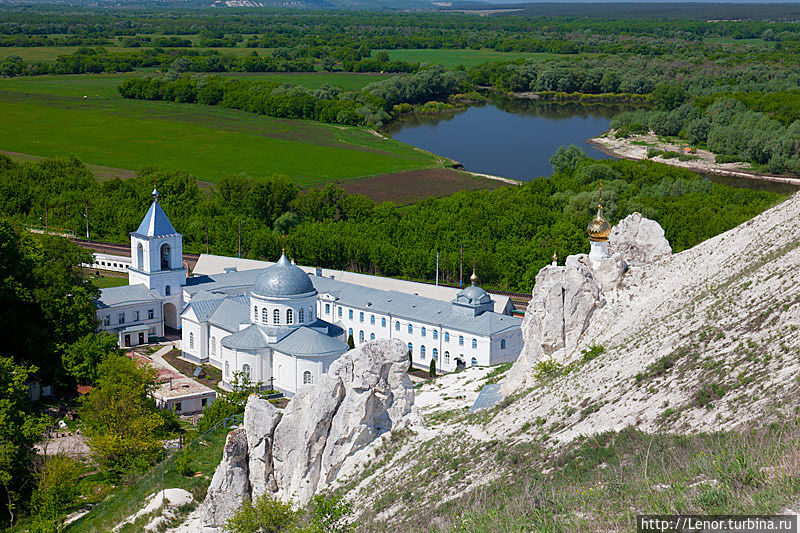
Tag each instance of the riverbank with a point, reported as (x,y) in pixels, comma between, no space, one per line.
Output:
(635,147)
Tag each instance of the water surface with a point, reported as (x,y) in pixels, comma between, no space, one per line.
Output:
(507,137)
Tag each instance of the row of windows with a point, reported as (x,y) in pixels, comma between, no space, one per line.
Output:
(121,317)
(361,316)
(435,354)
(307,379)
(276,315)
(114,265)
(360,335)
(423,329)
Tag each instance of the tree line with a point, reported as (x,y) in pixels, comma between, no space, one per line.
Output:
(371,106)
(726,127)
(511,232)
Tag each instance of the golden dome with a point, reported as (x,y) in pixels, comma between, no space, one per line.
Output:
(474,277)
(599,229)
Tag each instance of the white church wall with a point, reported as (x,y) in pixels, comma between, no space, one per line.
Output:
(235,361)
(193,341)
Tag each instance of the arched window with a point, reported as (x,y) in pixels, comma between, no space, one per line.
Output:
(446,337)
(227,369)
(372,336)
(349,332)
(410,328)
(397,326)
(461,340)
(213,346)
(361,316)
(139,256)
(372,320)
(474,343)
(424,331)
(165,256)
(383,322)
(289,316)
(255,313)
(306,378)
(265,316)
(435,354)
(340,312)
(191,340)
(447,358)
(435,334)
(502,344)
(167,290)
(301,315)
(276,316)
(474,362)
(246,370)
(361,336)
(350,314)
(410,348)
(422,352)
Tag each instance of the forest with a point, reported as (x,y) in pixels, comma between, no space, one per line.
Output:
(510,232)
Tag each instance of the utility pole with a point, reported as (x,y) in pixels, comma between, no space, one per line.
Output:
(461,268)
(86,215)
(206,239)
(437,267)
(240,239)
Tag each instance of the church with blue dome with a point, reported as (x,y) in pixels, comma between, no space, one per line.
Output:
(281,325)
(283,344)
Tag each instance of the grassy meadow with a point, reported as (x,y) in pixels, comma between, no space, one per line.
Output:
(83,115)
(451,58)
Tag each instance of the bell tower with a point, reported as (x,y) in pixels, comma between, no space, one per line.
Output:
(157,259)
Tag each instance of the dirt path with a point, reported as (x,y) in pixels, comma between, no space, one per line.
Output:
(625,148)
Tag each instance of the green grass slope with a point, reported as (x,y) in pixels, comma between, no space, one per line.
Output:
(49,116)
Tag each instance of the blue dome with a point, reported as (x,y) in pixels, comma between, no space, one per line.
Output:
(473,295)
(283,279)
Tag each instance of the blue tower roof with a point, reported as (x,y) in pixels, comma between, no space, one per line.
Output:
(283,279)
(155,223)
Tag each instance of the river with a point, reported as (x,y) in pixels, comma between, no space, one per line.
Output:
(508,137)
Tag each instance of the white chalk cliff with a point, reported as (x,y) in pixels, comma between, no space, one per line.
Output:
(565,298)
(365,394)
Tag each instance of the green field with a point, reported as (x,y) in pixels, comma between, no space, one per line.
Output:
(50,53)
(314,80)
(451,58)
(84,116)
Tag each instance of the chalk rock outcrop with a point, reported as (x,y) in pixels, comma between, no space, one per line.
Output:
(564,298)
(230,483)
(260,420)
(364,394)
(638,240)
(561,306)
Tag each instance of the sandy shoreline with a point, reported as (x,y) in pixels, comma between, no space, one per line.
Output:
(624,148)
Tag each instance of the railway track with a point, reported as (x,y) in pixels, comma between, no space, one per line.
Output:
(125,250)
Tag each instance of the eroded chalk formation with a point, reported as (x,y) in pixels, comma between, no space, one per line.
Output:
(364,394)
(564,298)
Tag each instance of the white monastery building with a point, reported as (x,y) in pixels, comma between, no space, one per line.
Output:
(283,326)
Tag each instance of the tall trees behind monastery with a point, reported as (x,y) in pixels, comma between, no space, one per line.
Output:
(510,232)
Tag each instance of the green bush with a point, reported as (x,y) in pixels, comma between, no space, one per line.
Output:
(725,158)
(548,368)
(265,515)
